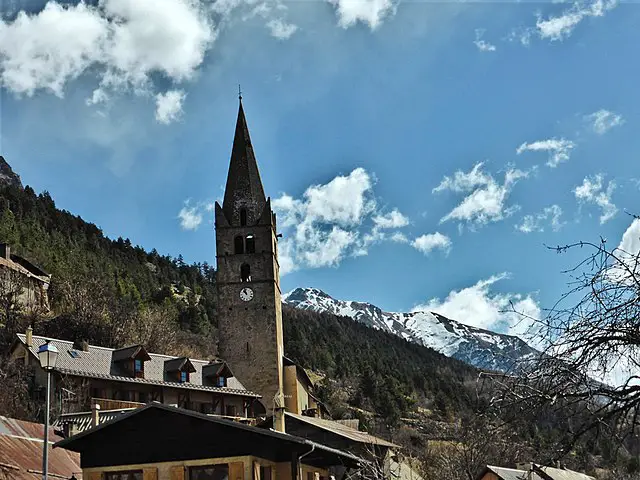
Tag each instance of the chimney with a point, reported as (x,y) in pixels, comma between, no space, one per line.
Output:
(5,251)
(278,413)
(95,415)
(28,340)
(85,346)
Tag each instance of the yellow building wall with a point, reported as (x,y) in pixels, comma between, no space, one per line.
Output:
(179,470)
(290,383)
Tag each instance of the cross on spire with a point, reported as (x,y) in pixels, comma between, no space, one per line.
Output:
(239,92)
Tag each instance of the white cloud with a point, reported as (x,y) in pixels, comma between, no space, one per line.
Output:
(393,219)
(559,149)
(603,120)
(123,41)
(427,243)
(169,106)
(190,217)
(369,12)
(480,307)
(333,221)
(592,191)
(481,44)
(562,26)
(536,223)
(487,200)
(281,29)
(630,242)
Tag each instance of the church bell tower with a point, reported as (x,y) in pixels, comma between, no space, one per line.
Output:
(248,277)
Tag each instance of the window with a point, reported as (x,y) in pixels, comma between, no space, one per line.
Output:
(245,272)
(221,382)
(243,217)
(128,475)
(265,472)
(238,244)
(211,472)
(251,244)
(138,368)
(184,377)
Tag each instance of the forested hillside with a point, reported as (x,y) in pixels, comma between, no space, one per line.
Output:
(112,293)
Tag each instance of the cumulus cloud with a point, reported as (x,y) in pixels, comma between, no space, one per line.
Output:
(368,12)
(559,149)
(603,120)
(559,27)
(280,29)
(536,223)
(487,198)
(593,191)
(393,219)
(123,41)
(431,241)
(169,106)
(333,221)
(479,306)
(481,44)
(191,216)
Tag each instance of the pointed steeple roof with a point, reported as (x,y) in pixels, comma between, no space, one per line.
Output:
(244,186)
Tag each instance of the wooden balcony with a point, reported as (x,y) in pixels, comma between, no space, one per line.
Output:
(106,404)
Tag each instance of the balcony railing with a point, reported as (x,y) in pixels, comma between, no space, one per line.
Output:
(107,404)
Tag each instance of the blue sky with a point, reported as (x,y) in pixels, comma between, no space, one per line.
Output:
(419,153)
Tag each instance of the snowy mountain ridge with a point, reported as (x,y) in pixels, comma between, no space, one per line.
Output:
(480,348)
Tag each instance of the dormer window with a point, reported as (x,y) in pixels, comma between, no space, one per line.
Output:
(130,360)
(178,370)
(216,374)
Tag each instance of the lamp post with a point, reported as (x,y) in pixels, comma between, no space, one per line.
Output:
(47,354)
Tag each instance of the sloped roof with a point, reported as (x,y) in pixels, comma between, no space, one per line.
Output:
(220,431)
(97,363)
(179,364)
(342,430)
(508,473)
(561,474)
(21,452)
(128,353)
(83,420)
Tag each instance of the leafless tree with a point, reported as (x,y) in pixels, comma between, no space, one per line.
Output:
(587,379)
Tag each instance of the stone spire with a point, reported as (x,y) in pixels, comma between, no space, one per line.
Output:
(244,187)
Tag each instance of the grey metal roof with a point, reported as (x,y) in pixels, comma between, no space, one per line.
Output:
(561,474)
(97,363)
(83,420)
(341,430)
(510,473)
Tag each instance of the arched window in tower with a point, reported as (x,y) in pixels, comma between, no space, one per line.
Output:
(243,217)
(250,243)
(238,244)
(245,272)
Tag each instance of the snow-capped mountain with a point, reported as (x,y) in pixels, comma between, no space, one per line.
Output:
(478,347)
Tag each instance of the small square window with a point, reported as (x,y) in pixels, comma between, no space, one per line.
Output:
(184,377)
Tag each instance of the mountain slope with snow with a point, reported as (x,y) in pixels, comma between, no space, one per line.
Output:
(481,348)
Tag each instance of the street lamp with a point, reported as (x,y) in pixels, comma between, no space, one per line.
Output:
(47,354)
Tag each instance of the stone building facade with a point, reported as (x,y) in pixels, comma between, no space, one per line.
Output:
(248,276)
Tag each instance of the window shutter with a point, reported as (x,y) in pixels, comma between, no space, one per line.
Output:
(95,476)
(256,471)
(236,471)
(177,473)
(150,474)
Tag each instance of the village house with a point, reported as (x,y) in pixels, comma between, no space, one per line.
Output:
(160,442)
(21,453)
(530,471)
(115,379)
(21,278)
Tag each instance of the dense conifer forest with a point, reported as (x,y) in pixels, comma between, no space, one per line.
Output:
(110,292)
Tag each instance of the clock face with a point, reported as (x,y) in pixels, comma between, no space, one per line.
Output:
(246,294)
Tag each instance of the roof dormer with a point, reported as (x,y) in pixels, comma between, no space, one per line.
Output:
(178,369)
(131,360)
(216,374)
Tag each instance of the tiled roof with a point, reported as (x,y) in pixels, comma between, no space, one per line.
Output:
(561,474)
(509,473)
(97,363)
(342,430)
(21,452)
(83,420)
